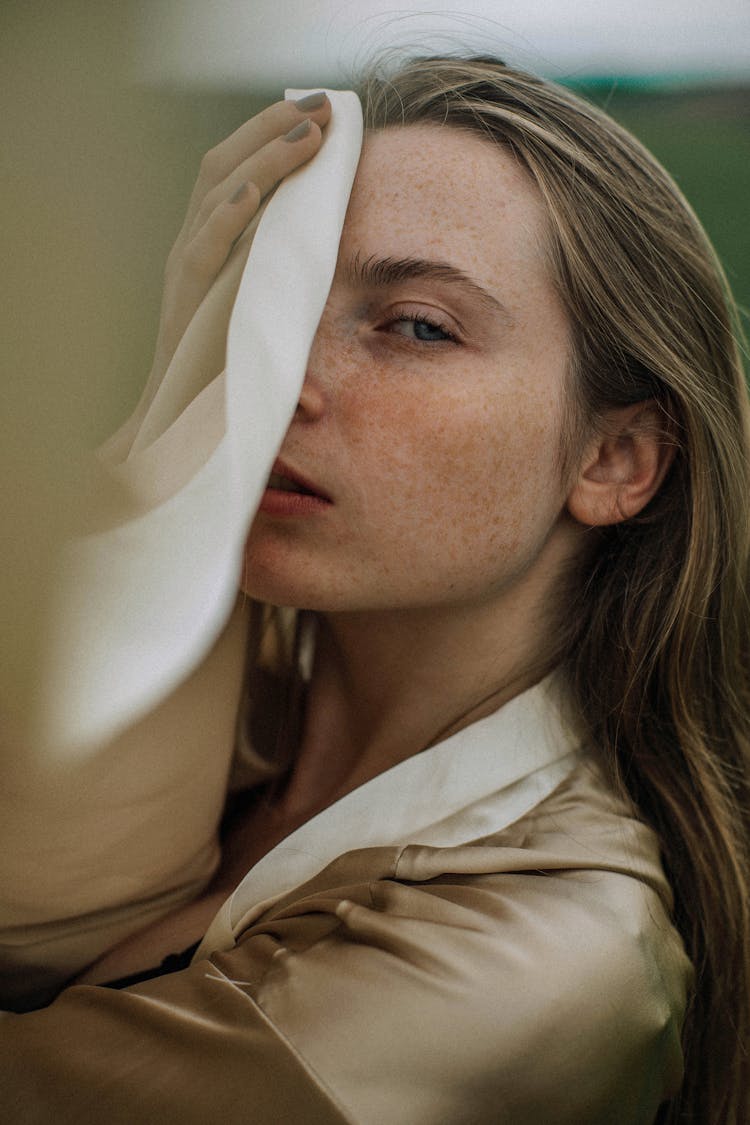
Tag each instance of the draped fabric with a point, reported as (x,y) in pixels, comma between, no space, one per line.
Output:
(531,975)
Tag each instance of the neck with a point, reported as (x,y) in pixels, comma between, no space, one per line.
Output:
(387,685)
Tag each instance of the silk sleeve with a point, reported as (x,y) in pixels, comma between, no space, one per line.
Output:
(515,997)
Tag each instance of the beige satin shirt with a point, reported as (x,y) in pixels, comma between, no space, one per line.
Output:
(496,947)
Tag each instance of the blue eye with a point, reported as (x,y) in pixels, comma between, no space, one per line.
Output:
(422,329)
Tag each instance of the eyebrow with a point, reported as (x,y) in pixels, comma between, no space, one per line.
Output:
(374,272)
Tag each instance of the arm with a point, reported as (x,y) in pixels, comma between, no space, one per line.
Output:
(510,999)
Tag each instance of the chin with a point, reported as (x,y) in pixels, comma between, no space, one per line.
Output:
(279,571)
(274,587)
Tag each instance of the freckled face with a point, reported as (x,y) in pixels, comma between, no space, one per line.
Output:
(431,414)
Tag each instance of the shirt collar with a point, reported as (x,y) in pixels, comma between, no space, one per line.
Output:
(473,783)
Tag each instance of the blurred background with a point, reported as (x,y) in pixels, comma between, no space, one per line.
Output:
(107,110)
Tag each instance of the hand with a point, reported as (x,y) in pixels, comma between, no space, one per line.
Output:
(234,178)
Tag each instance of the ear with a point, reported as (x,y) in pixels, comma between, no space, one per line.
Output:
(623,466)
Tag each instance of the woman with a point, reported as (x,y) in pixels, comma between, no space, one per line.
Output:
(512,499)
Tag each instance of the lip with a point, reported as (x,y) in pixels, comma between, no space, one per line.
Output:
(277,502)
(283,470)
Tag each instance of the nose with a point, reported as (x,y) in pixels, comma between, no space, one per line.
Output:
(312,402)
(313,399)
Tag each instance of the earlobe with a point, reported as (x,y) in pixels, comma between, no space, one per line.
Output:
(623,466)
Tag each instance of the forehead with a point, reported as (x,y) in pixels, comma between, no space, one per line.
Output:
(435,191)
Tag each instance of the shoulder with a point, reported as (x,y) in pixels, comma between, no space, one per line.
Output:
(530,976)
(534,974)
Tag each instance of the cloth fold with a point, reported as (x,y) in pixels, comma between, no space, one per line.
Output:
(142,603)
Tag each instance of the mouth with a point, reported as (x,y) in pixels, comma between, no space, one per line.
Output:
(286,484)
(289,493)
(285,479)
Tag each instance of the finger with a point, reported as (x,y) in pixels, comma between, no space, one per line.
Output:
(206,253)
(271,123)
(265,168)
(222,160)
(190,274)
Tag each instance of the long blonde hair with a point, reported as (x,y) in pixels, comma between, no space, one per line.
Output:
(656,645)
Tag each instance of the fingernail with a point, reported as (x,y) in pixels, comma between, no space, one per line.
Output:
(299,131)
(239,194)
(311,101)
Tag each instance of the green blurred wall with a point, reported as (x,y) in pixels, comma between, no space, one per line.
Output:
(702,136)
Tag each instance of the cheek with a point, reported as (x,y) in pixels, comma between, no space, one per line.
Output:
(461,475)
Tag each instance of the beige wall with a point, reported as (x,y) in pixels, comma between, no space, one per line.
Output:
(97,177)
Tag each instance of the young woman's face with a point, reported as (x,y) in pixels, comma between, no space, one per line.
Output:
(431,413)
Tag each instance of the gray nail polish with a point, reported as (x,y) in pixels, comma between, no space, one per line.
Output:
(239,194)
(299,131)
(311,101)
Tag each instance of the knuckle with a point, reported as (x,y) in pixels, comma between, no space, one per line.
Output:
(209,163)
(283,115)
(205,210)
